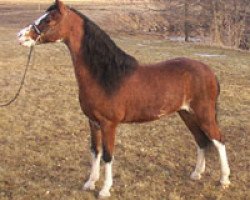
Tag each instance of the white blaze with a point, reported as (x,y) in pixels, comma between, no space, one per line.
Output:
(38,21)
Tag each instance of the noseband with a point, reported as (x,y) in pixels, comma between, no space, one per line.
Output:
(36,29)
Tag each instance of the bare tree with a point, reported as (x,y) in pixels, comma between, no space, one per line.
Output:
(216,21)
(186,22)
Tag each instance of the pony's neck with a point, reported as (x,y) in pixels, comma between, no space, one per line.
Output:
(74,44)
(95,54)
(75,35)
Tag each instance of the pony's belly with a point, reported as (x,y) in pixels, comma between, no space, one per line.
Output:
(145,115)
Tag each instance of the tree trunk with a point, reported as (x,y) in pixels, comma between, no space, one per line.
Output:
(186,23)
(216,22)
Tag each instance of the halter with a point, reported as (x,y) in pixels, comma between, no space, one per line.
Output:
(36,29)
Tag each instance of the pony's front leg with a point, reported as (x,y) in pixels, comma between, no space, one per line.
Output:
(96,156)
(108,139)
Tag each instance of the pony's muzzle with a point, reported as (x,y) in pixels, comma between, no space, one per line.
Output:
(24,37)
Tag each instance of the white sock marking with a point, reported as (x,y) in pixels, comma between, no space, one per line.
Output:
(95,172)
(108,181)
(200,164)
(225,170)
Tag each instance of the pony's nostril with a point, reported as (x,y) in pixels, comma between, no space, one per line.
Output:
(19,34)
(22,32)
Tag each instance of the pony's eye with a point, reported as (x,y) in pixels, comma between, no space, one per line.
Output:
(48,19)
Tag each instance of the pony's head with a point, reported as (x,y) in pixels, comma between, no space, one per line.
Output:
(47,28)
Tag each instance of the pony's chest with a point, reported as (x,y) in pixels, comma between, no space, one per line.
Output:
(88,104)
(94,105)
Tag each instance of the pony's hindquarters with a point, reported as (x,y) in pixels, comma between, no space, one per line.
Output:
(201,119)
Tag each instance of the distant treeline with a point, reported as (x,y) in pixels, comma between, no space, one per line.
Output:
(225,22)
(221,22)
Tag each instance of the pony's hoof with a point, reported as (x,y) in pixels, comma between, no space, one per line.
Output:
(103,194)
(195,176)
(225,183)
(89,185)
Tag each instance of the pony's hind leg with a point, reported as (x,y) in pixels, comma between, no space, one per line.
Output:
(225,170)
(207,121)
(201,140)
(96,156)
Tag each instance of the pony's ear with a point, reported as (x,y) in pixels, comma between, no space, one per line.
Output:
(61,7)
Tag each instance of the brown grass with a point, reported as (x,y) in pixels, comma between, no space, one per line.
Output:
(45,1)
(44,137)
(65,1)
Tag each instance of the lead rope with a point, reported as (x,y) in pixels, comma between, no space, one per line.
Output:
(22,81)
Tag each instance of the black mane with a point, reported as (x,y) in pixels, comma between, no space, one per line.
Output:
(105,60)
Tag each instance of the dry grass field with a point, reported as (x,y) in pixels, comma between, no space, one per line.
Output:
(44,137)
